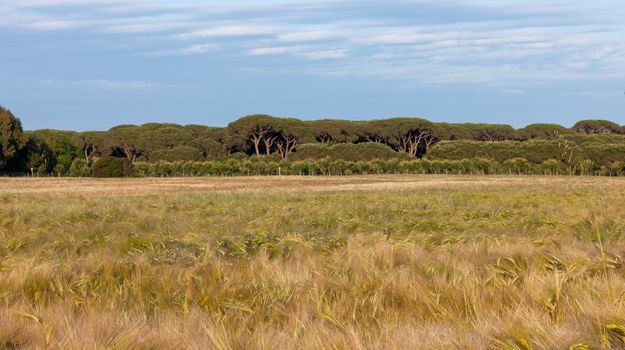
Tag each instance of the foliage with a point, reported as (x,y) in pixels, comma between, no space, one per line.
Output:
(335,131)
(79,168)
(597,127)
(536,151)
(346,151)
(476,132)
(264,134)
(53,151)
(542,131)
(128,141)
(38,158)
(327,166)
(11,139)
(112,167)
(408,135)
(176,153)
(62,147)
(582,139)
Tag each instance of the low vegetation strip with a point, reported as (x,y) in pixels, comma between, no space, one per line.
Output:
(534,263)
(264,166)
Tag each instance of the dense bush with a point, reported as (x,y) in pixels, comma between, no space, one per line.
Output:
(176,153)
(603,154)
(79,168)
(582,139)
(59,149)
(112,167)
(542,131)
(347,151)
(535,151)
(597,127)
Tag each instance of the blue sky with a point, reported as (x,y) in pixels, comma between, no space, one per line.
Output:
(79,64)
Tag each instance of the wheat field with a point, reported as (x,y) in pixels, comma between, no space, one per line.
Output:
(377,262)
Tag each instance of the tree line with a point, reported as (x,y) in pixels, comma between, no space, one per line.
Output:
(70,152)
(262,166)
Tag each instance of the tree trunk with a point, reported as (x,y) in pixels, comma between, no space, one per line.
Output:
(256,141)
(89,151)
(269,142)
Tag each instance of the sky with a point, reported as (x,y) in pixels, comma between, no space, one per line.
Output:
(94,64)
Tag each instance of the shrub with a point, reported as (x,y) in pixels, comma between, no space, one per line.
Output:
(597,127)
(586,167)
(311,151)
(542,131)
(348,151)
(327,166)
(551,167)
(617,169)
(534,151)
(517,166)
(112,167)
(583,139)
(604,154)
(59,169)
(79,168)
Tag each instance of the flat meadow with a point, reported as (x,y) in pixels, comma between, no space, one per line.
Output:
(363,262)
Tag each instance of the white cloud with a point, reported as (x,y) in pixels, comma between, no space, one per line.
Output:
(52,25)
(228,30)
(189,50)
(270,50)
(144,27)
(312,35)
(324,54)
(308,52)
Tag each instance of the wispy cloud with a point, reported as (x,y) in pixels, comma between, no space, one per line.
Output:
(195,49)
(311,35)
(324,54)
(146,24)
(52,25)
(310,52)
(261,51)
(228,30)
(457,41)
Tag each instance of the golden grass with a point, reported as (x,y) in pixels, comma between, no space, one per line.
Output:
(381,262)
(145,186)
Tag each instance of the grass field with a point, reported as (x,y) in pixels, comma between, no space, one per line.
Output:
(381,262)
